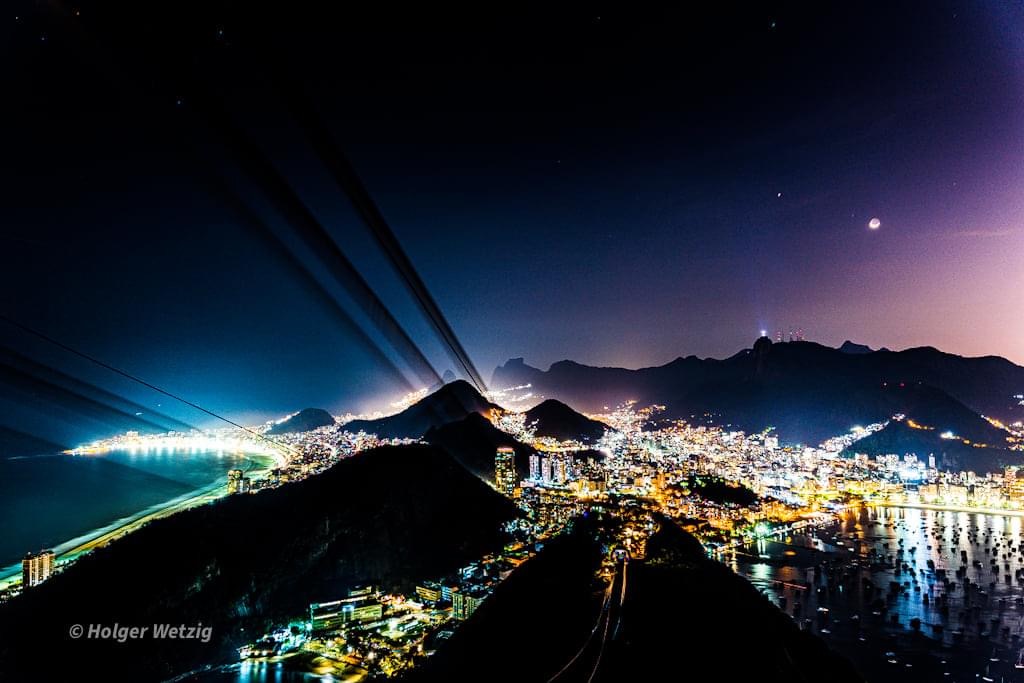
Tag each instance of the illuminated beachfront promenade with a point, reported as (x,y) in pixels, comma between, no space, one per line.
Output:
(269,460)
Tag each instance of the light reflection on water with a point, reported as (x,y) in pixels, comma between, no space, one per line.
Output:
(259,672)
(923,536)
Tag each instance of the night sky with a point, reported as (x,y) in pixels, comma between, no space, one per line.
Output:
(613,186)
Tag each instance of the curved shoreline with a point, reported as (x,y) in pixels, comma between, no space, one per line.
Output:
(71,549)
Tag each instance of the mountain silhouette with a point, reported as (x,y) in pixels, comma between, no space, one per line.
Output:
(807,391)
(303,421)
(473,441)
(452,402)
(850,347)
(557,420)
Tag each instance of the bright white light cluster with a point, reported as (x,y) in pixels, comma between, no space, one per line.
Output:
(233,442)
(515,424)
(511,395)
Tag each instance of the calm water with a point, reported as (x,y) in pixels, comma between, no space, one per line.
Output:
(869,578)
(47,501)
(257,672)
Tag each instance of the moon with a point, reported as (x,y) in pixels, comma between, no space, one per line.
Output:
(874,224)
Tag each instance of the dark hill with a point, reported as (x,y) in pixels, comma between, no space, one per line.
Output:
(517,618)
(303,421)
(706,604)
(557,420)
(936,412)
(682,615)
(806,390)
(473,442)
(951,454)
(450,403)
(392,516)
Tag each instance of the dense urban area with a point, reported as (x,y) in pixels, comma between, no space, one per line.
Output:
(729,488)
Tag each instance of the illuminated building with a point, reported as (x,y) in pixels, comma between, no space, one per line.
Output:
(505,470)
(324,616)
(238,482)
(37,568)
(429,592)
(534,467)
(545,470)
(465,603)
(560,468)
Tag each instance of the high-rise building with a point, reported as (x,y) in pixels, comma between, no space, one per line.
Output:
(560,467)
(534,467)
(464,603)
(36,568)
(505,470)
(235,479)
(545,470)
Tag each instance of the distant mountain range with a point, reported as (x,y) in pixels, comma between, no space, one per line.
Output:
(303,421)
(807,391)
(454,418)
(555,419)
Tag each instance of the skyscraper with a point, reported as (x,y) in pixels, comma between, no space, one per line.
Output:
(534,467)
(505,470)
(560,467)
(37,568)
(464,603)
(545,470)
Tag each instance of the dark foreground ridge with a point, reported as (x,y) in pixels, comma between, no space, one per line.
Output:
(686,613)
(677,615)
(391,516)
(533,622)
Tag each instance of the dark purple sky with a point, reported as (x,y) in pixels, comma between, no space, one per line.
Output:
(600,186)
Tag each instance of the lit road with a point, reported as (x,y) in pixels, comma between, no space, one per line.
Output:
(586,663)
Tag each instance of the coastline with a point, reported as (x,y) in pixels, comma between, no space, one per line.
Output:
(946,508)
(70,550)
